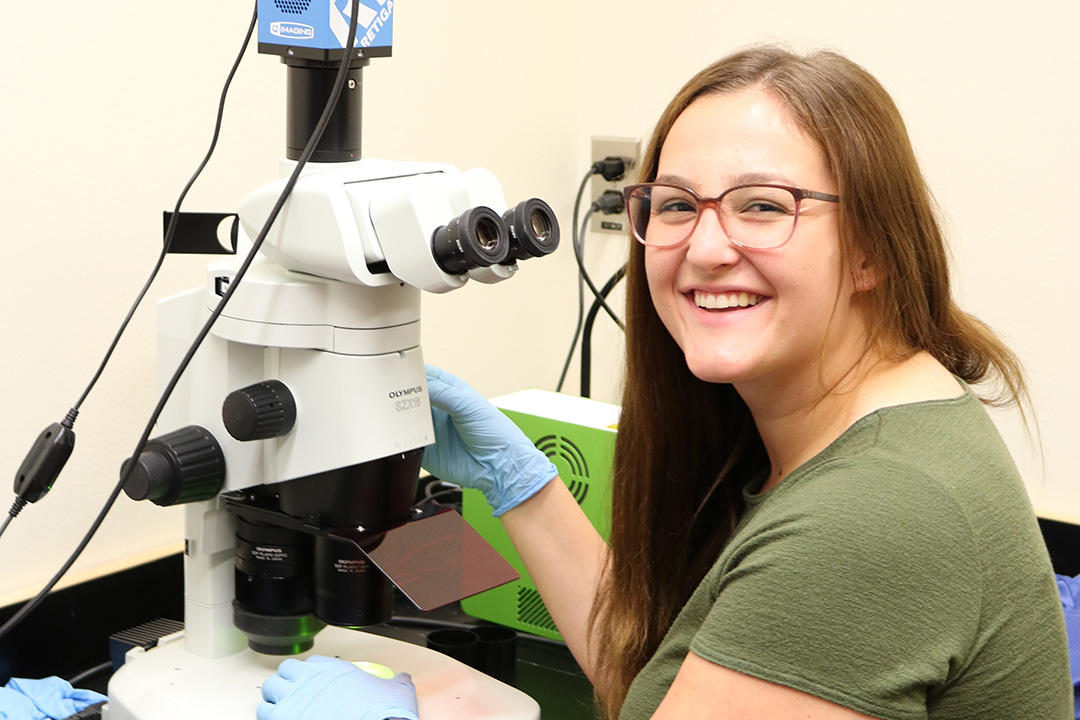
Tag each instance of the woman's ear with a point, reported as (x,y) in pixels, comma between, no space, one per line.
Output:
(865,274)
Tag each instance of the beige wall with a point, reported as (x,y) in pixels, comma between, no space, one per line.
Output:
(106,109)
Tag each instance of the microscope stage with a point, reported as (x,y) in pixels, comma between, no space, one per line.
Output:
(168,683)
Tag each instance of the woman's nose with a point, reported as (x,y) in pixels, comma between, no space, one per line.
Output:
(709,244)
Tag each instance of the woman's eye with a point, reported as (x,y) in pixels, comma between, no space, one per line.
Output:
(678,206)
(763,209)
(758,203)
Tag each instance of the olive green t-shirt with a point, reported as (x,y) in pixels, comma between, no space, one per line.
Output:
(900,573)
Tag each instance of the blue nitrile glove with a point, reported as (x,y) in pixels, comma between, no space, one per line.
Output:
(16,706)
(476,446)
(50,697)
(324,688)
(1069,589)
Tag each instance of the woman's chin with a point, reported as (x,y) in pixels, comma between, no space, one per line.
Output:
(714,369)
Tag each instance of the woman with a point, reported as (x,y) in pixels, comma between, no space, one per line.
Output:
(813,515)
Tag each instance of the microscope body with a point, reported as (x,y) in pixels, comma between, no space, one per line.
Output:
(277,549)
(351,411)
(295,435)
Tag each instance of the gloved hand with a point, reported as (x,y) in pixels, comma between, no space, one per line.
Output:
(50,697)
(13,704)
(476,446)
(324,688)
(1069,589)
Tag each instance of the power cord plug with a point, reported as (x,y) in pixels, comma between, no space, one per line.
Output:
(611,167)
(611,202)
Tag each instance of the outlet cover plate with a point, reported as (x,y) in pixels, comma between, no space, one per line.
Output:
(602,147)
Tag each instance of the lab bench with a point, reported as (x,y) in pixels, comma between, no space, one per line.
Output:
(68,635)
(543,669)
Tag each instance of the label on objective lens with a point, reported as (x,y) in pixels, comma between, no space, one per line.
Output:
(379,671)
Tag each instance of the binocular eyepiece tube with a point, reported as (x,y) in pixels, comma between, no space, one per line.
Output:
(480,238)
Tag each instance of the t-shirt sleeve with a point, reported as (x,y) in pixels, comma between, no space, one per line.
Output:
(864,593)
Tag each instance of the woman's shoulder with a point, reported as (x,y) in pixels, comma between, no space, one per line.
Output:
(941,442)
(883,503)
(930,479)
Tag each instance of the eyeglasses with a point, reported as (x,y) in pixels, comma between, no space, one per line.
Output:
(758,217)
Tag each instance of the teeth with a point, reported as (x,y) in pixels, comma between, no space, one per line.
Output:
(720,301)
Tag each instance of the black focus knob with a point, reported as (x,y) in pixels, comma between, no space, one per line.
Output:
(263,410)
(183,466)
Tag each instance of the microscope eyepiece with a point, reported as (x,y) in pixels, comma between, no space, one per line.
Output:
(487,234)
(533,230)
(476,238)
(541,226)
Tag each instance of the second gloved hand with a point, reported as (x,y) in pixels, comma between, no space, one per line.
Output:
(476,446)
(324,688)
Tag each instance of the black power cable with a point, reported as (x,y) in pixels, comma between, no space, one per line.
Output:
(609,203)
(579,251)
(586,338)
(11,515)
(50,452)
(91,673)
(309,149)
(611,168)
(581,284)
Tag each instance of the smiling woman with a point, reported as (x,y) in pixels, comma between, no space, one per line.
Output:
(808,493)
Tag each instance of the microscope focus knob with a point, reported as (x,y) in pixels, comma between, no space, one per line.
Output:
(263,410)
(183,466)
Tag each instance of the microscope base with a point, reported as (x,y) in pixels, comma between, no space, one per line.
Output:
(168,683)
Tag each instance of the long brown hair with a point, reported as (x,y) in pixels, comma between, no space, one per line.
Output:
(686,448)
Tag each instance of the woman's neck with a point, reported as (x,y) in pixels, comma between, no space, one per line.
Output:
(796,422)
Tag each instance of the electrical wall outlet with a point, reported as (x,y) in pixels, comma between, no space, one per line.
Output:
(603,147)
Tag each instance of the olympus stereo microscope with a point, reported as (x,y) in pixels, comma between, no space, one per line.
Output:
(294,438)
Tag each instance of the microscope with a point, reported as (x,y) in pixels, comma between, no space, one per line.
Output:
(294,438)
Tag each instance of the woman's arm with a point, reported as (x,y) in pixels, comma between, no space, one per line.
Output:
(706,691)
(477,446)
(565,556)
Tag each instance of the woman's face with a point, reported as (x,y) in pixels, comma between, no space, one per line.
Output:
(781,301)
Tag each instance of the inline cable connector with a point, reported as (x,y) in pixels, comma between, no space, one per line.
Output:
(46,459)
(43,464)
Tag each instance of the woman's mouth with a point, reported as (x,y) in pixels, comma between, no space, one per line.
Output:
(725,301)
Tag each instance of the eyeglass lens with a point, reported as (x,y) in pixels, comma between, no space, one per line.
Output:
(753,216)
